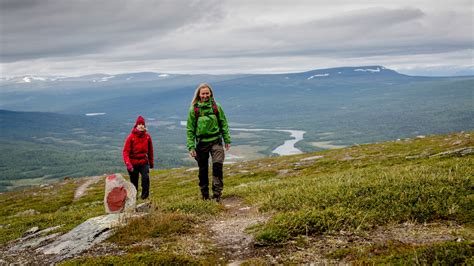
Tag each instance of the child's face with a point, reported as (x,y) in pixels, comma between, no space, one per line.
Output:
(141,127)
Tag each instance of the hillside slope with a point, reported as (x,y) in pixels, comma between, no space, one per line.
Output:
(406,201)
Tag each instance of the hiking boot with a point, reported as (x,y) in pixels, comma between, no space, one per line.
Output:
(216,199)
(205,197)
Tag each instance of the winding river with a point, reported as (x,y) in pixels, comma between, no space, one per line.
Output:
(287,148)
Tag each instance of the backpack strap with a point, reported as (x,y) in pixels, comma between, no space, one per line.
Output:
(196,111)
(216,112)
(196,115)
(215,109)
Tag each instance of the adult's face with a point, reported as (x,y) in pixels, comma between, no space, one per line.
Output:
(204,94)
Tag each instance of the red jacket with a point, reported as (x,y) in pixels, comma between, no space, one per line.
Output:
(138,148)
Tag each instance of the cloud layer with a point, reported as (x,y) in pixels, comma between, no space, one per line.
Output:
(81,37)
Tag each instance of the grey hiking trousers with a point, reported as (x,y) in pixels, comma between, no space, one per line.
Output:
(216,151)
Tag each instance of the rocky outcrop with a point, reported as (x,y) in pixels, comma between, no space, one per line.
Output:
(81,238)
(41,247)
(457,152)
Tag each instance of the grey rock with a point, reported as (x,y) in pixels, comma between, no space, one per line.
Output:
(283,171)
(117,181)
(33,243)
(32,230)
(457,152)
(143,207)
(312,158)
(82,237)
(456,143)
(32,240)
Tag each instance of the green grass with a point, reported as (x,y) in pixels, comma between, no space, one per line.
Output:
(353,189)
(145,258)
(363,198)
(155,225)
(396,253)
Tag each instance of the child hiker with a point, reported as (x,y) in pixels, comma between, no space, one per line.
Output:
(138,156)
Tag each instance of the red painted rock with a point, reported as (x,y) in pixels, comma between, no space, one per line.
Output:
(116,199)
(120,195)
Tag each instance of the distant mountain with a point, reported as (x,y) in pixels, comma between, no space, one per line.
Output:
(341,72)
(335,106)
(126,77)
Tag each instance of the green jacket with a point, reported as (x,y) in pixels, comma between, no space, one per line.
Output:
(207,128)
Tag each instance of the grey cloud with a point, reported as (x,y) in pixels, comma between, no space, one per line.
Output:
(8,6)
(361,33)
(180,33)
(370,32)
(38,29)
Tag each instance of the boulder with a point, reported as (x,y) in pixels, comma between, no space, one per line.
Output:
(120,195)
(81,238)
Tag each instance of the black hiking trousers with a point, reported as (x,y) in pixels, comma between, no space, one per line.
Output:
(144,171)
(216,151)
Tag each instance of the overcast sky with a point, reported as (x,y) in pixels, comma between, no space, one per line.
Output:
(78,37)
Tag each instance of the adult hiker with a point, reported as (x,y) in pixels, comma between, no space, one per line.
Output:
(206,127)
(138,156)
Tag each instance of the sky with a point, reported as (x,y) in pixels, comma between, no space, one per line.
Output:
(79,37)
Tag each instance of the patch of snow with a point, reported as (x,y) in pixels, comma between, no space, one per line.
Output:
(318,75)
(129,78)
(58,78)
(105,79)
(368,70)
(94,114)
(163,75)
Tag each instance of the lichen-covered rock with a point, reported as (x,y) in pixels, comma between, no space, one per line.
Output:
(81,238)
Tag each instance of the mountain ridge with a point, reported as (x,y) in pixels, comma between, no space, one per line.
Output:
(150,75)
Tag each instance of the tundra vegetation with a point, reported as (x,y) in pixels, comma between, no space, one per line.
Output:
(408,201)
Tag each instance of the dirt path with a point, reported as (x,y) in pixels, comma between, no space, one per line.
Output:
(228,232)
(228,229)
(81,190)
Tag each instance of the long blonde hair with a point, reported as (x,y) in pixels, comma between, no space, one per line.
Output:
(196,97)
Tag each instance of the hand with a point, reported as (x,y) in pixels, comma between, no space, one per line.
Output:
(192,153)
(129,167)
(227,146)
(151,166)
